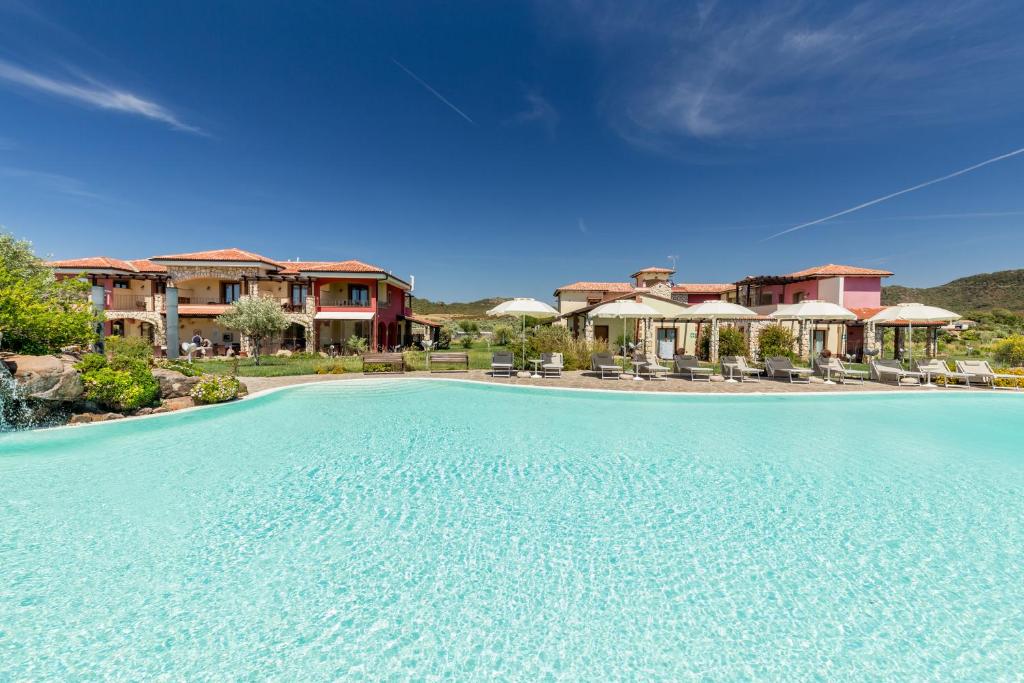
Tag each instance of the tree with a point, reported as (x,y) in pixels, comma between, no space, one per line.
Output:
(775,340)
(40,314)
(257,318)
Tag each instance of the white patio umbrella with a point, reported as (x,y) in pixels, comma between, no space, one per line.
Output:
(812,310)
(523,306)
(914,313)
(627,309)
(714,311)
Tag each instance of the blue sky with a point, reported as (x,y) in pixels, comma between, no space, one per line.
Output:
(505,148)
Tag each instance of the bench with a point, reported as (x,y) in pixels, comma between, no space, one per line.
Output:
(395,361)
(449,358)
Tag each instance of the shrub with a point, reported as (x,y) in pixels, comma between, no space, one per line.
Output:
(576,355)
(469,327)
(444,338)
(371,368)
(329,367)
(504,335)
(466,341)
(91,362)
(129,348)
(1018,383)
(356,345)
(126,388)
(1010,351)
(731,342)
(185,368)
(776,340)
(215,389)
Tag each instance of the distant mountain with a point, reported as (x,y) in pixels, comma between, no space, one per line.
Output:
(470,309)
(982,292)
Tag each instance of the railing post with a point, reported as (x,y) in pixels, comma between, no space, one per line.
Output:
(171,302)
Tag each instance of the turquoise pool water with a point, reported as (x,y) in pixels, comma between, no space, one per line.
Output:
(415,529)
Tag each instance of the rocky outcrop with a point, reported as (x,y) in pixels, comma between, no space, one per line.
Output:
(86,418)
(178,403)
(174,384)
(46,378)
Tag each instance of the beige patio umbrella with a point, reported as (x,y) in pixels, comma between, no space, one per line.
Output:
(523,306)
(914,313)
(810,311)
(627,309)
(714,311)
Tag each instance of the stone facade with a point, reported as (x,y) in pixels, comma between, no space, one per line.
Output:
(179,274)
(154,318)
(754,334)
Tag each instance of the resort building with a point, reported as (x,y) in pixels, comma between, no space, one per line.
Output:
(168,299)
(856,289)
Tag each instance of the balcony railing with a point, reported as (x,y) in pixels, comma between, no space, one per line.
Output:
(130,302)
(341,302)
(194,297)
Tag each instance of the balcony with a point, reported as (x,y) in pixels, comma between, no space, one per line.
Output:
(192,297)
(130,302)
(337,301)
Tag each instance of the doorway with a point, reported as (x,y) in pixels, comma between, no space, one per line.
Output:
(666,342)
(601,333)
(819,341)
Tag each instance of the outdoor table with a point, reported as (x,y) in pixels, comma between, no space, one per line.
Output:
(637,364)
(732,367)
(536,362)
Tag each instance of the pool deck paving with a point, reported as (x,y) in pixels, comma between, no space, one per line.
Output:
(587,380)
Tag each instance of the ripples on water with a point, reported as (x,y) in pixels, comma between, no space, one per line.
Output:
(429,529)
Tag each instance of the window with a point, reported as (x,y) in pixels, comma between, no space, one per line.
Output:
(383,294)
(299,293)
(359,294)
(122,284)
(230,292)
(117,328)
(798,297)
(765,299)
(593,300)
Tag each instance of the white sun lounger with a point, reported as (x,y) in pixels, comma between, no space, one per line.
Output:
(780,366)
(982,373)
(689,365)
(883,370)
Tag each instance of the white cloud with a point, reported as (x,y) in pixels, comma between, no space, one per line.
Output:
(90,92)
(538,111)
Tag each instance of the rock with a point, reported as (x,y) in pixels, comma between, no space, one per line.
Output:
(46,378)
(107,416)
(178,403)
(161,409)
(144,411)
(82,418)
(283,353)
(717,378)
(173,384)
(242,389)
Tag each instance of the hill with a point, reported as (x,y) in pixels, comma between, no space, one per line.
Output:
(469,309)
(982,292)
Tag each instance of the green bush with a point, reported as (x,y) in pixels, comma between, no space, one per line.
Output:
(129,348)
(356,345)
(776,340)
(731,342)
(329,367)
(184,367)
(444,338)
(504,335)
(576,353)
(215,389)
(1018,383)
(1010,351)
(371,368)
(123,388)
(91,362)
(466,341)
(469,327)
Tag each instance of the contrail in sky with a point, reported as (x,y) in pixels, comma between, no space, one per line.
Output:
(879,200)
(432,91)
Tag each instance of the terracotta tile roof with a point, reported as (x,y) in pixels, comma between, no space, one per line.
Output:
(699,288)
(350,266)
(653,269)
(833,270)
(95,263)
(866,312)
(147,266)
(596,287)
(230,254)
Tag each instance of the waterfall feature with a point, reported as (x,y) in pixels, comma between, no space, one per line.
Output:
(15,412)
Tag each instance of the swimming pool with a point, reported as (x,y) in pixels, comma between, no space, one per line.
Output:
(415,528)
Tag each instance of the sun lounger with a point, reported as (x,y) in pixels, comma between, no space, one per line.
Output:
(836,369)
(938,368)
(652,369)
(892,370)
(502,364)
(604,363)
(782,367)
(551,365)
(738,364)
(982,373)
(691,367)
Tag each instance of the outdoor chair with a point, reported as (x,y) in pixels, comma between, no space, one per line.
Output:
(502,364)
(691,367)
(780,367)
(883,370)
(605,364)
(982,373)
(933,367)
(738,364)
(551,365)
(834,368)
(652,369)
